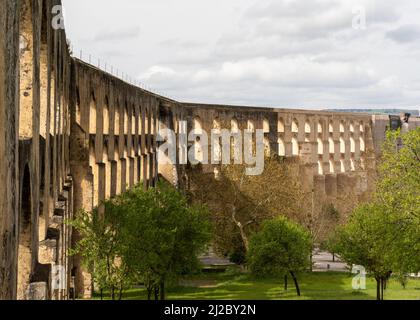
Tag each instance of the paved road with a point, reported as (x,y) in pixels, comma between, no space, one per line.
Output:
(323,261)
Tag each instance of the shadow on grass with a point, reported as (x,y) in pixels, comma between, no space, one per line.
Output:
(314,286)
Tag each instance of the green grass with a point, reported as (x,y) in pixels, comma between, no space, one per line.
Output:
(233,285)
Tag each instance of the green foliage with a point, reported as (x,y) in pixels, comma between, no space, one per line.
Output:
(100,246)
(399,192)
(240,203)
(280,247)
(363,240)
(384,236)
(399,173)
(163,234)
(151,236)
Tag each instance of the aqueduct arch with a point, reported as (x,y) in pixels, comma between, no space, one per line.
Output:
(25,249)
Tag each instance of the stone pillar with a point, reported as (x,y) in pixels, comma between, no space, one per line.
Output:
(288,136)
(9,194)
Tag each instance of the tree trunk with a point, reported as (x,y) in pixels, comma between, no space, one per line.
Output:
(333,257)
(102,294)
(120,293)
(149,293)
(296,283)
(285,282)
(241,227)
(113,293)
(156,293)
(378,288)
(382,288)
(162,290)
(311,258)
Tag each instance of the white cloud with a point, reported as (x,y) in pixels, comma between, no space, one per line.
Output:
(260,52)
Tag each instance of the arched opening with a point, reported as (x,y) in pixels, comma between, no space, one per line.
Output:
(352,165)
(234,126)
(78,110)
(108,179)
(362,144)
(342,165)
(320,168)
(133,120)
(281,125)
(117,120)
(320,147)
(126,119)
(342,145)
(25,236)
(342,127)
(320,130)
(217,149)
(216,124)
(251,126)
(362,127)
(118,172)
(139,120)
(198,147)
(95,172)
(282,148)
(295,126)
(307,127)
(266,125)
(308,131)
(331,145)
(136,120)
(331,127)
(267,149)
(332,168)
(106,116)
(352,127)
(92,115)
(352,145)
(295,147)
(146,121)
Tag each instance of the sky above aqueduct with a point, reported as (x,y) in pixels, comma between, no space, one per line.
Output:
(285,53)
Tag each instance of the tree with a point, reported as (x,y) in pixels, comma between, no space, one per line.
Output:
(399,191)
(384,236)
(240,203)
(365,241)
(281,247)
(163,235)
(100,248)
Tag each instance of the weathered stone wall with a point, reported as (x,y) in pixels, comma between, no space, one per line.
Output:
(113,141)
(37,196)
(335,150)
(9,104)
(72,136)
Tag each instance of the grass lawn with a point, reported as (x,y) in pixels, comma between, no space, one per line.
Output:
(233,285)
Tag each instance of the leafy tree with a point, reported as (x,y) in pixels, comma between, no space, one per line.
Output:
(365,241)
(384,236)
(163,235)
(399,191)
(100,247)
(239,203)
(281,247)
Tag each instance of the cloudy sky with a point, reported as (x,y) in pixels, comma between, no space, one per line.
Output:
(286,53)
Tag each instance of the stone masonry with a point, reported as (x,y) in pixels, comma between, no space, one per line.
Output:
(72,136)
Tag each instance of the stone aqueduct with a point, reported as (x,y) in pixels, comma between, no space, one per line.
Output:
(72,135)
